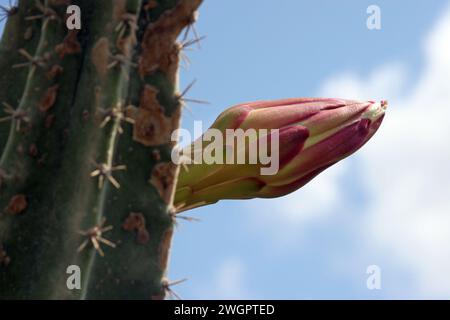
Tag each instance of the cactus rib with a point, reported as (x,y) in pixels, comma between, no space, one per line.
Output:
(83,163)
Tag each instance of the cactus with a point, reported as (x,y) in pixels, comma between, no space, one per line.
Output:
(85,172)
(87,176)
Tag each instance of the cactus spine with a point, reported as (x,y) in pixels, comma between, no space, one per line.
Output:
(85,173)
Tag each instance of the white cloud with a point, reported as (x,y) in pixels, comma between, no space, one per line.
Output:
(386,81)
(407,164)
(228,281)
(406,172)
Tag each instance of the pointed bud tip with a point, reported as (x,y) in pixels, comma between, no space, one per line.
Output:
(375,110)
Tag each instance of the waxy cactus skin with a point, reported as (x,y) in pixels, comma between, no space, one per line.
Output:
(313,135)
(85,177)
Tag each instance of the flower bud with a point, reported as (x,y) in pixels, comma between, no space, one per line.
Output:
(300,137)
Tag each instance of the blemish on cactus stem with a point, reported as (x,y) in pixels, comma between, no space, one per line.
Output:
(17,204)
(5,260)
(163,177)
(118,9)
(156,155)
(99,56)
(152,127)
(54,71)
(49,99)
(152,4)
(159,38)
(95,236)
(70,45)
(136,222)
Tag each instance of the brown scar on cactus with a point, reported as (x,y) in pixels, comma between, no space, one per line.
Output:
(33,150)
(152,4)
(152,127)
(99,56)
(119,8)
(136,222)
(54,71)
(17,204)
(49,98)
(156,155)
(160,38)
(163,179)
(70,45)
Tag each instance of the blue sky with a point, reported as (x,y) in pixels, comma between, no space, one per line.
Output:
(387,205)
(318,242)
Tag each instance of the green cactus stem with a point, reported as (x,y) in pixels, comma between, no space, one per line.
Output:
(18,34)
(86,177)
